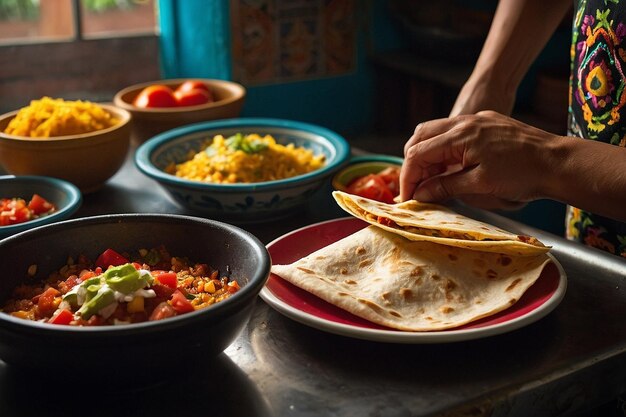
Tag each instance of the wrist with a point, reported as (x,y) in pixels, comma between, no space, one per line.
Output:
(559,169)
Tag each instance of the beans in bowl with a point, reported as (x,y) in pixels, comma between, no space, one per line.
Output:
(120,289)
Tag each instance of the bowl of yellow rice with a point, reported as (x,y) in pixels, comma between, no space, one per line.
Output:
(244,169)
(78,141)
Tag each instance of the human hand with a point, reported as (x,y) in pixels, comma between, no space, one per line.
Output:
(487,160)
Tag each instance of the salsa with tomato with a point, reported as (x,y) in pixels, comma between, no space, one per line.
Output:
(382,186)
(18,210)
(119,289)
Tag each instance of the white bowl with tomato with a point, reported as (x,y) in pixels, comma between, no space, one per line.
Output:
(161,105)
(29,201)
(376,177)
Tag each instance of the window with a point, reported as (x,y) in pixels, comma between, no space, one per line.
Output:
(53,20)
(75,49)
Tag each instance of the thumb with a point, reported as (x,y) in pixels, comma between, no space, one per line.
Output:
(443,187)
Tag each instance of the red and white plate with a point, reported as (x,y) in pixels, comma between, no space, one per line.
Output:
(304,307)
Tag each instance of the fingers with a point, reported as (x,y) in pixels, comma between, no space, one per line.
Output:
(427,130)
(469,185)
(443,187)
(430,156)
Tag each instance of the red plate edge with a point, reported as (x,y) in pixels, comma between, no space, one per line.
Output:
(299,243)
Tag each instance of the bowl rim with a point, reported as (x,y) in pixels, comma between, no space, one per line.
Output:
(364,160)
(247,292)
(124,114)
(143,154)
(75,199)
(238,89)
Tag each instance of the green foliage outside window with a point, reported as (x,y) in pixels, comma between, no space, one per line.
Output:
(29,9)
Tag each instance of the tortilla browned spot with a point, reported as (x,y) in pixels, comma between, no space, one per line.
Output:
(513,284)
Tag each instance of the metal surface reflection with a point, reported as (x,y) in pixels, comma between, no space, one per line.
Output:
(213,387)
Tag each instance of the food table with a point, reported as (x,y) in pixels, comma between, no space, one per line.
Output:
(572,359)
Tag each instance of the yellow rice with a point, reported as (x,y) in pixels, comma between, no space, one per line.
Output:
(50,117)
(227,165)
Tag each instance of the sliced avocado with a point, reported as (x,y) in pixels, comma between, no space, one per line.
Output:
(103,297)
(125,279)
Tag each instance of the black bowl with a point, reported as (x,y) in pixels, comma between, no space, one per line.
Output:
(138,349)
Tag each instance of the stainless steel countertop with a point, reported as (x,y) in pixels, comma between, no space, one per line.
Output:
(570,360)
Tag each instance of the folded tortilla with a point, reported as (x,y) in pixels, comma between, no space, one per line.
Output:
(438,224)
(412,285)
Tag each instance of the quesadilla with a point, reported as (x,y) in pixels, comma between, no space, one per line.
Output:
(435,223)
(412,285)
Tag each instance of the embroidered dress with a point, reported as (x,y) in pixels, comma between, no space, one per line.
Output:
(597,106)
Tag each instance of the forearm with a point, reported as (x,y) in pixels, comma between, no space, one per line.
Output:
(589,175)
(519,31)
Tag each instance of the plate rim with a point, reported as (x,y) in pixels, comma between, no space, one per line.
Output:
(399,336)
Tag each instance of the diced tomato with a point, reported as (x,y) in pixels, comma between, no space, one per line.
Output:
(385,221)
(110,258)
(14,211)
(162,311)
(180,303)
(391,176)
(61,316)
(46,302)
(39,205)
(71,282)
(371,186)
(162,291)
(233,287)
(168,279)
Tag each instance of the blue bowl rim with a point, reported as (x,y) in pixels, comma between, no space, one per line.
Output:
(144,152)
(75,199)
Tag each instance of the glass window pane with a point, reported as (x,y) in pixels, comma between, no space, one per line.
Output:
(35,20)
(117,17)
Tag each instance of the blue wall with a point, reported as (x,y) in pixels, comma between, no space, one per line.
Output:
(196,42)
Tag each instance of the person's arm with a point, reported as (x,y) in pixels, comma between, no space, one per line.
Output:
(502,159)
(519,31)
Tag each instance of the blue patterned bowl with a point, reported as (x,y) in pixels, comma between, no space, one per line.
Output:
(248,202)
(64,195)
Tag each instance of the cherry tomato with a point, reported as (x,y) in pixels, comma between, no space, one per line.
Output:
(191,97)
(371,186)
(155,96)
(192,85)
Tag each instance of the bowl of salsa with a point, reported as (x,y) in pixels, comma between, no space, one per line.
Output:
(129,297)
(376,177)
(29,201)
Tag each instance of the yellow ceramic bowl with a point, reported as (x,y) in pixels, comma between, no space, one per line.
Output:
(147,122)
(87,160)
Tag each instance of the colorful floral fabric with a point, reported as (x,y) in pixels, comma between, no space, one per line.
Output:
(598,104)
